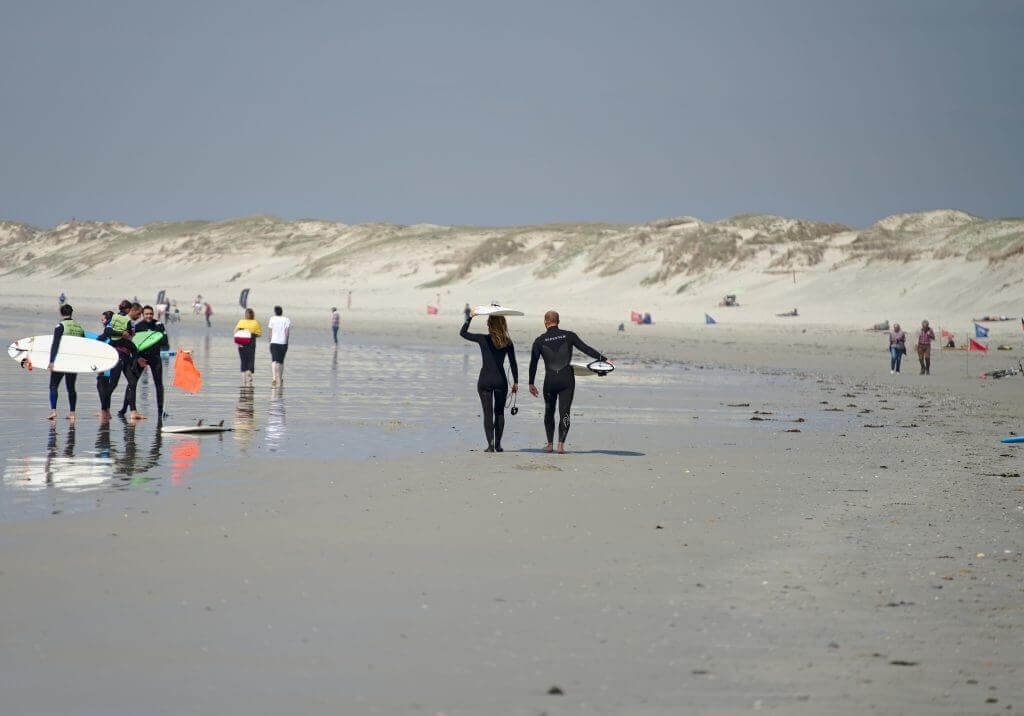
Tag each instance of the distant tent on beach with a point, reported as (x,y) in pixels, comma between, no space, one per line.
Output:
(708,320)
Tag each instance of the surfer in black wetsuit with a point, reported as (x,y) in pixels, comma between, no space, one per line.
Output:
(132,369)
(150,357)
(492,384)
(555,347)
(118,332)
(67,327)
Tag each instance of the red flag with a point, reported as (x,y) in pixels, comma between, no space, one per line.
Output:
(186,376)
(945,333)
(431,310)
(976,346)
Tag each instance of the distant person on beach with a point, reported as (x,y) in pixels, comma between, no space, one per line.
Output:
(247,351)
(67,327)
(335,323)
(207,312)
(279,326)
(348,301)
(492,385)
(897,348)
(555,347)
(924,347)
(467,312)
(150,357)
(61,299)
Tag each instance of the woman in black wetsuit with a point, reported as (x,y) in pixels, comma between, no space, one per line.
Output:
(492,384)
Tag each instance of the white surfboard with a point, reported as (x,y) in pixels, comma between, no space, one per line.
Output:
(597,367)
(496,311)
(195,429)
(74,355)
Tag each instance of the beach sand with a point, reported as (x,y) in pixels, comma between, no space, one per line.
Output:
(685,558)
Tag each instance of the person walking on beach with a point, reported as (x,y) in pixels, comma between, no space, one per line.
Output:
(279,326)
(897,348)
(247,349)
(924,347)
(67,327)
(207,312)
(150,357)
(467,312)
(118,332)
(132,370)
(555,347)
(492,385)
(335,323)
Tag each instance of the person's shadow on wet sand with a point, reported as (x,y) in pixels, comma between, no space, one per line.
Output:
(614,453)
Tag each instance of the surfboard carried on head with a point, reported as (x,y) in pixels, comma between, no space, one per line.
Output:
(595,367)
(74,355)
(496,310)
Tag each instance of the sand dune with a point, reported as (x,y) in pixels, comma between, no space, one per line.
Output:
(945,262)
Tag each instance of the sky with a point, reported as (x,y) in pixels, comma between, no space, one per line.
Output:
(498,113)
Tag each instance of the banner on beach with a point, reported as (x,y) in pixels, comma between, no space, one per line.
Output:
(708,320)
(974,345)
(243,298)
(980,331)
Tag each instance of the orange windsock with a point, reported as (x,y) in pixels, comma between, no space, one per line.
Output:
(186,376)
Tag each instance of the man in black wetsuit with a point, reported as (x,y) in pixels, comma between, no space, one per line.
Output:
(150,357)
(555,347)
(118,332)
(67,327)
(132,370)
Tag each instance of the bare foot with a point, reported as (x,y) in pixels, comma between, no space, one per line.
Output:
(547,448)
(561,448)
(71,418)
(104,416)
(52,415)
(135,415)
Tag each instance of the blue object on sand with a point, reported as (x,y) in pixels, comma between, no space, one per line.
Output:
(1013,439)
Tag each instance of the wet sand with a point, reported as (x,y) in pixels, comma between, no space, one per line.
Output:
(686,557)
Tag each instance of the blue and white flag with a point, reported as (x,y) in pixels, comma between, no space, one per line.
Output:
(980,331)
(708,320)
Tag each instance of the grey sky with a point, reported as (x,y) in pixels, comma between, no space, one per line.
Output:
(484,112)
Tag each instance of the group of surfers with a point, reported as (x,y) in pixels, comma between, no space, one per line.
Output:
(117,329)
(554,346)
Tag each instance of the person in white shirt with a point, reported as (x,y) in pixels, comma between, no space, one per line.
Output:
(279,326)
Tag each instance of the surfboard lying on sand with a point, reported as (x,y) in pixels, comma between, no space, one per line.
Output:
(75,355)
(1013,439)
(196,428)
(597,367)
(496,311)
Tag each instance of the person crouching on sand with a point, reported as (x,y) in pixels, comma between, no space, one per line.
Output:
(897,348)
(924,347)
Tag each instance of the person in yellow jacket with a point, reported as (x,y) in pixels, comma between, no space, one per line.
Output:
(246,331)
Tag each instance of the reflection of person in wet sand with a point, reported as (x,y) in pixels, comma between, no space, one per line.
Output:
(128,462)
(245,417)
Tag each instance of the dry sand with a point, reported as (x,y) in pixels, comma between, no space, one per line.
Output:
(841,569)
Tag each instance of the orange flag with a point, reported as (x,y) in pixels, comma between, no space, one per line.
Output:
(186,376)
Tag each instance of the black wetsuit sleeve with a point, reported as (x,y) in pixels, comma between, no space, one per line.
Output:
(511,350)
(577,343)
(55,345)
(464,332)
(534,357)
